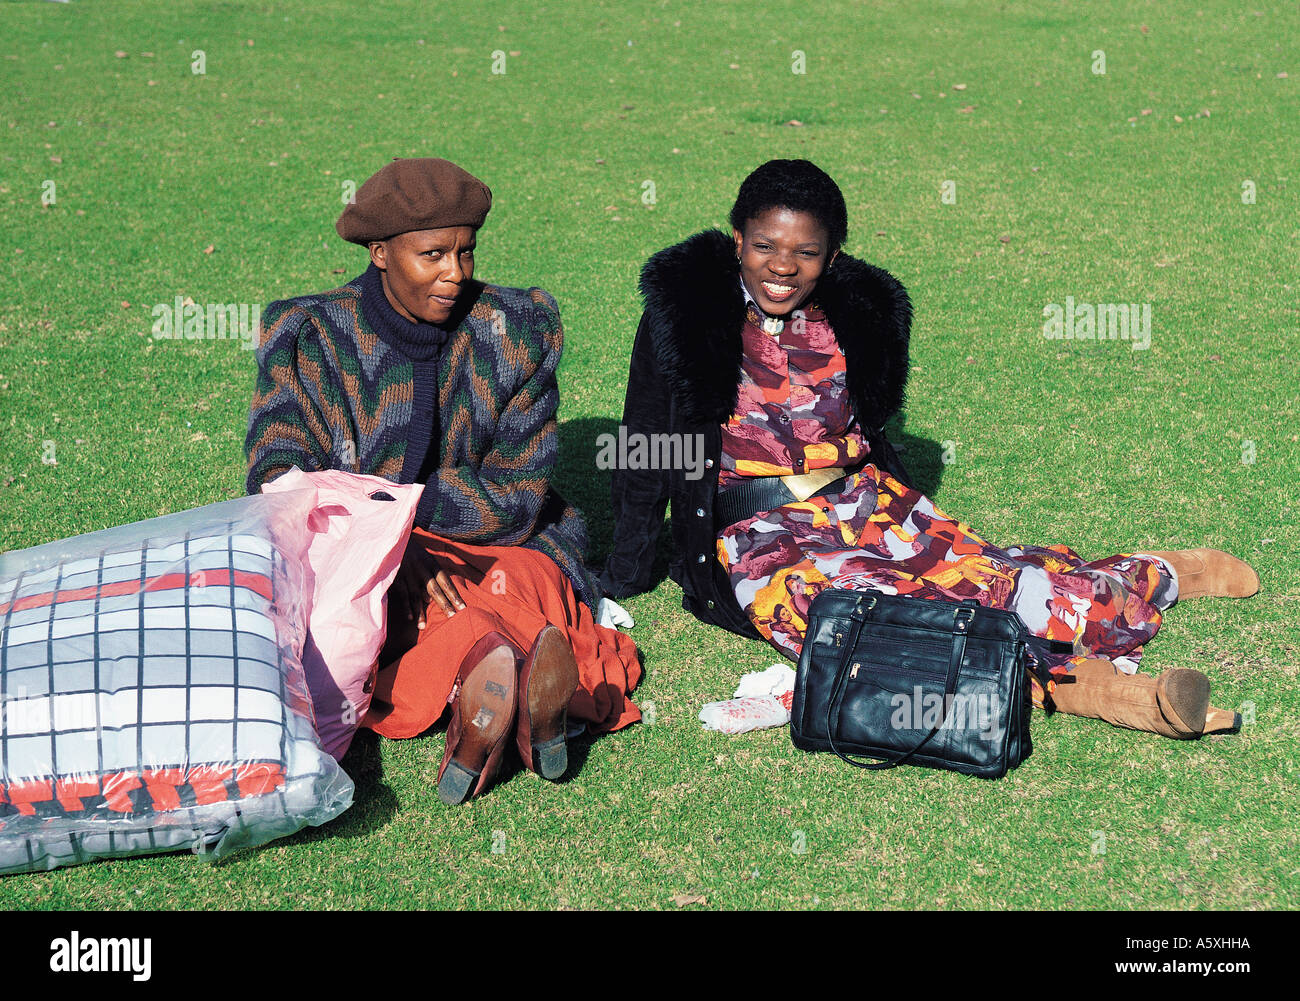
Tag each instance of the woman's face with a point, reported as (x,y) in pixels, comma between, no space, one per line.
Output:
(782,254)
(425,270)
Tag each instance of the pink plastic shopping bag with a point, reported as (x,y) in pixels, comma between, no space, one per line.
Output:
(360,526)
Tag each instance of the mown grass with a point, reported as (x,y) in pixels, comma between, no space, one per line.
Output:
(1093,444)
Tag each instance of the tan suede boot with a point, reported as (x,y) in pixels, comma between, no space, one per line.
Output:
(1210,573)
(1176,704)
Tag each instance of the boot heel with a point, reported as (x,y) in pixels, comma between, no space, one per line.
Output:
(552,758)
(1222,721)
(455,782)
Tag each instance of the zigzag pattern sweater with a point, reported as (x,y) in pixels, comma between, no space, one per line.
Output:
(344,381)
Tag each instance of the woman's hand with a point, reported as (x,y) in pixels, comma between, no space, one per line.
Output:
(420,583)
(442,592)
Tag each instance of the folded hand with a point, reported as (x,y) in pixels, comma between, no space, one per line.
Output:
(419,584)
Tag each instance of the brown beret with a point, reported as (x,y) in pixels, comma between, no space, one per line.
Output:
(420,193)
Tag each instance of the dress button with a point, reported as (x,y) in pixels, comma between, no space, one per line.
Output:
(708,463)
(710,604)
(699,512)
(700,558)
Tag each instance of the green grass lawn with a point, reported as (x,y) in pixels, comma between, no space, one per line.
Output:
(1125,186)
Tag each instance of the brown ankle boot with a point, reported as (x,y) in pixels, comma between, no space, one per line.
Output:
(1210,573)
(548,677)
(482,718)
(1172,705)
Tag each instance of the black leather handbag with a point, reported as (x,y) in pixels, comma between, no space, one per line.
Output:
(911,680)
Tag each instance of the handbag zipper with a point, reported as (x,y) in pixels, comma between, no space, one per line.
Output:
(919,672)
(896,669)
(932,645)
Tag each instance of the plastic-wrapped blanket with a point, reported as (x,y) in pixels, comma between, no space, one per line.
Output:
(152,689)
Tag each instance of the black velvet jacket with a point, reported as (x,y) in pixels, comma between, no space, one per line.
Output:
(685,380)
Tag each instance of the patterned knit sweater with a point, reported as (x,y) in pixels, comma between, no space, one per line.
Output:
(344,381)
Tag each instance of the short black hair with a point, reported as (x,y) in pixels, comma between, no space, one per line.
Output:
(798,185)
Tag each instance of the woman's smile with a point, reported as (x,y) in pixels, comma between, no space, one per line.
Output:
(782,254)
(779,292)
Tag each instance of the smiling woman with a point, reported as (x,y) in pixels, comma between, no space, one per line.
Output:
(786,356)
(418,373)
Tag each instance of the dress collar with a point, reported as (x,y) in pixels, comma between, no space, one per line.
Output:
(417,340)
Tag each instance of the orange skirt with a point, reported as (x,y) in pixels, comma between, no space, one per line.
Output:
(516,592)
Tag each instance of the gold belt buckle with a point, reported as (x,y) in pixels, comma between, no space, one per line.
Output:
(807,485)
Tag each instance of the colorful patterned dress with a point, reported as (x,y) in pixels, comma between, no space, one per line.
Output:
(871,532)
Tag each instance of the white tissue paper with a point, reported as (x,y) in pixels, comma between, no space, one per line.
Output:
(612,615)
(763,699)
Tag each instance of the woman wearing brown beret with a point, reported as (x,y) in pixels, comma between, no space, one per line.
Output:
(416,372)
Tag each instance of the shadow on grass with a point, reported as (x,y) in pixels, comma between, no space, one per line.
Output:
(373,802)
(922,458)
(584,484)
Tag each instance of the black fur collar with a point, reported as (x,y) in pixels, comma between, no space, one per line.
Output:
(696,310)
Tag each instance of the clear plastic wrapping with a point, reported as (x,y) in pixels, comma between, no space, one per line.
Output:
(152,694)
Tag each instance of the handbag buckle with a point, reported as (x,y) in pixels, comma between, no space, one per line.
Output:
(962,618)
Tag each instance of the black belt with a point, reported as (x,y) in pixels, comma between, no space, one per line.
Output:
(757,494)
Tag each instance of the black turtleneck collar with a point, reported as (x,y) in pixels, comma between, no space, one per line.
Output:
(417,340)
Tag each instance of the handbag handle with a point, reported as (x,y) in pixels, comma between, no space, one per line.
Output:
(962,618)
